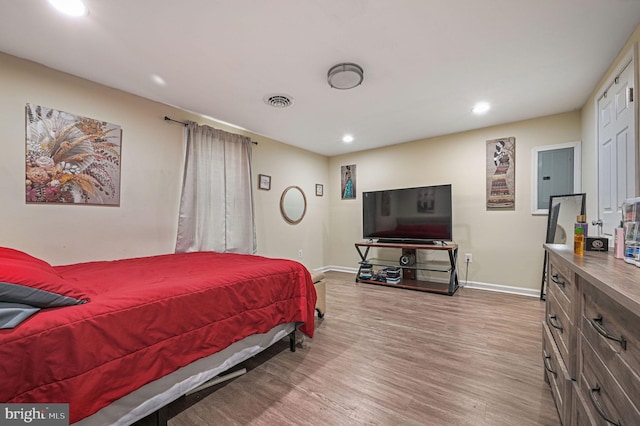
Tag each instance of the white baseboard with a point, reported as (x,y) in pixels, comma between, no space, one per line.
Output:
(471,284)
(338,269)
(501,288)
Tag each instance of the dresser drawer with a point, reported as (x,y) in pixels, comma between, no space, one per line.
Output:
(605,400)
(562,330)
(556,375)
(614,333)
(581,415)
(562,283)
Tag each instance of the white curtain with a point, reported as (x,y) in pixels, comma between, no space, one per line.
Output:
(216,207)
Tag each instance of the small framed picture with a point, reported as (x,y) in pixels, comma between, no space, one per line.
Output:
(319,189)
(264,182)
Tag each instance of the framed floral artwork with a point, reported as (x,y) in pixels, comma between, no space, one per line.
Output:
(319,189)
(71,159)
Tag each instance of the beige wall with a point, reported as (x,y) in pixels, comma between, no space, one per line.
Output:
(506,245)
(291,166)
(151,175)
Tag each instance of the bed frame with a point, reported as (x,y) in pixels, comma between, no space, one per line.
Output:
(154,398)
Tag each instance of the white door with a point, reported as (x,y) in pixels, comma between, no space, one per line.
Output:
(616,150)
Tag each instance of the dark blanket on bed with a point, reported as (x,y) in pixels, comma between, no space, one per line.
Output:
(145,318)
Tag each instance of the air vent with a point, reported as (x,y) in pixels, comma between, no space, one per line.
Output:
(279,100)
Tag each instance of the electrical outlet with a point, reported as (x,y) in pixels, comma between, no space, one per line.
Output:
(300,253)
(468,257)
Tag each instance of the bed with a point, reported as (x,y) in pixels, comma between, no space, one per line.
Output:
(118,340)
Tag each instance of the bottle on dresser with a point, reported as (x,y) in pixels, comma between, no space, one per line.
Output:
(580,234)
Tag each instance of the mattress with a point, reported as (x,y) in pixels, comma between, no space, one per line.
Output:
(146,318)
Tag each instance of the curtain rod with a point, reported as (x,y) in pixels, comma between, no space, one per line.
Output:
(166,118)
(175,121)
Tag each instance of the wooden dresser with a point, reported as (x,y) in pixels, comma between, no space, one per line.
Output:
(591,337)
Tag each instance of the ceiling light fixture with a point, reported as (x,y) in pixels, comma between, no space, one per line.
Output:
(70,7)
(345,76)
(481,108)
(347,139)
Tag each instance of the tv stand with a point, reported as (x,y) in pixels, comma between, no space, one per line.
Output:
(410,270)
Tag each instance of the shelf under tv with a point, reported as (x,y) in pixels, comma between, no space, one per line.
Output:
(419,285)
(409,272)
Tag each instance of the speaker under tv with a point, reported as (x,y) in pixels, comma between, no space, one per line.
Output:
(417,215)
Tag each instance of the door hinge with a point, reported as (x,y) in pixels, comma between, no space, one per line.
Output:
(630,94)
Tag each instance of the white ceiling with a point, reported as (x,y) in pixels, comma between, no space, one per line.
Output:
(426,62)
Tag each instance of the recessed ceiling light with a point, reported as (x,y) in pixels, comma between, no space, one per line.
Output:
(481,108)
(347,139)
(158,80)
(70,7)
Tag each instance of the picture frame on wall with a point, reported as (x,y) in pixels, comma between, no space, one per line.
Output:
(319,189)
(348,182)
(264,182)
(500,183)
(71,159)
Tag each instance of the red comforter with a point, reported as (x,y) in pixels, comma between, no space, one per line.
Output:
(146,318)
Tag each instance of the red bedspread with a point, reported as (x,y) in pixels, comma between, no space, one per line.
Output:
(146,318)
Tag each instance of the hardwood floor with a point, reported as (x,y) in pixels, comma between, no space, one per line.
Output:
(387,356)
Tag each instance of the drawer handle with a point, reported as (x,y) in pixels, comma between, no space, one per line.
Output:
(597,324)
(557,280)
(547,365)
(553,322)
(598,407)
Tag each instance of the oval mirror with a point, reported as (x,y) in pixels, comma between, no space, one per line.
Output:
(293,204)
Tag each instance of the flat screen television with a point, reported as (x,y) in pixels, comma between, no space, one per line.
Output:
(413,215)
